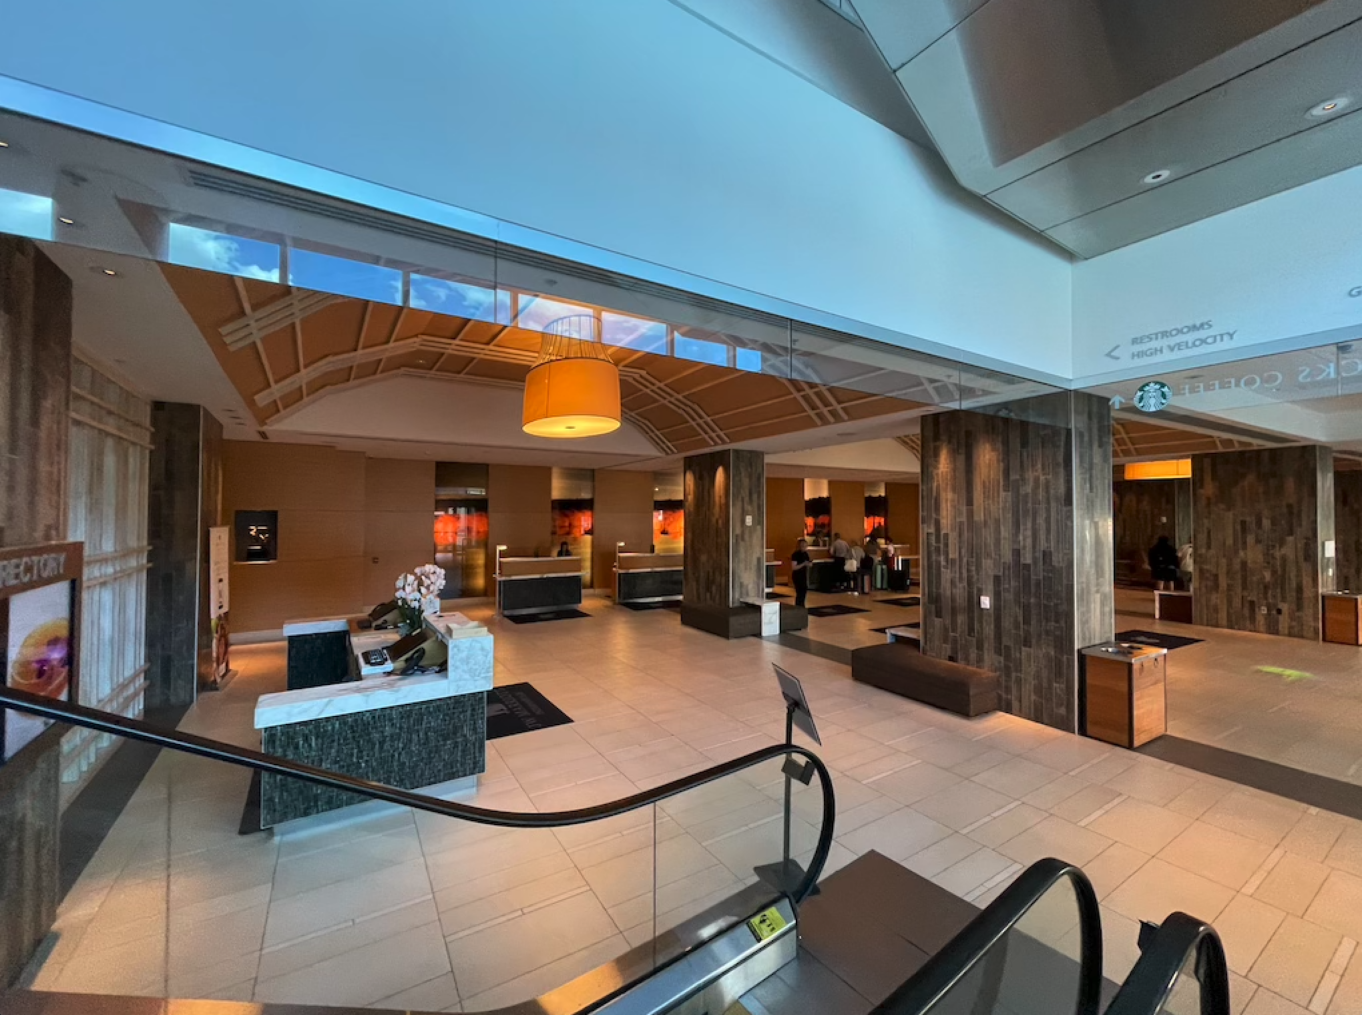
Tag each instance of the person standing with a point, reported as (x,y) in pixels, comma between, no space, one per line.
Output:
(800,565)
(841,553)
(1185,564)
(1163,564)
(866,571)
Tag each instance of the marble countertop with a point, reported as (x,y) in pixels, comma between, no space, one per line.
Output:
(345,699)
(315,625)
(547,574)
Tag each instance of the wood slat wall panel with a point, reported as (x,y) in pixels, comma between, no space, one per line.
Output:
(1019,511)
(725,558)
(1259,521)
(1348,528)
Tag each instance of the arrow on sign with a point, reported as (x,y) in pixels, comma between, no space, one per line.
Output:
(1117,402)
(1111,353)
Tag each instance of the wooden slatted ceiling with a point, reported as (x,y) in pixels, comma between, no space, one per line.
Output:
(279,356)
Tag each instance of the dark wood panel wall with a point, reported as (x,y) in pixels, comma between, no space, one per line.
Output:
(725,553)
(1143,510)
(1017,508)
(1348,529)
(35,405)
(1260,519)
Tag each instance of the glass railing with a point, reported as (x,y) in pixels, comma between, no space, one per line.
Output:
(547,880)
(1181,971)
(1036,950)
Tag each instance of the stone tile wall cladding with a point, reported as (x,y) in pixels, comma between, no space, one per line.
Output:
(35,406)
(1260,520)
(1348,529)
(441,740)
(1143,510)
(1018,508)
(725,558)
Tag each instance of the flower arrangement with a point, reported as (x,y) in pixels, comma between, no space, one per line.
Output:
(418,593)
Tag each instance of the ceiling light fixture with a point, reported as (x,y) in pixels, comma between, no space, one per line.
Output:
(66,221)
(1157,176)
(4,144)
(1329,107)
(573,390)
(109,271)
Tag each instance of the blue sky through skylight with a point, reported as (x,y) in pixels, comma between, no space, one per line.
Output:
(329,274)
(634,333)
(232,255)
(25,215)
(701,351)
(443,296)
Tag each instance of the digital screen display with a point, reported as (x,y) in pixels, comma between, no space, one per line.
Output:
(38,655)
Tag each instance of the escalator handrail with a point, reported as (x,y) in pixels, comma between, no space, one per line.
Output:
(940,973)
(189,743)
(1151,981)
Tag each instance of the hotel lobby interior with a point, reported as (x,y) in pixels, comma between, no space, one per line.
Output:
(448,597)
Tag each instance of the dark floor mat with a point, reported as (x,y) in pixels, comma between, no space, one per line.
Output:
(834,610)
(1156,640)
(642,607)
(520,708)
(547,615)
(902,601)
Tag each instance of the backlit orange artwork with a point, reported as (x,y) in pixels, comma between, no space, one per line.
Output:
(669,525)
(452,530)
(874,525)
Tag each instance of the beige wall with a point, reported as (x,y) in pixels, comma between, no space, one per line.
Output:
(848,509)
(519,512)
(905,516)
(784,518)
(399,513)
(622,511)
(337,513)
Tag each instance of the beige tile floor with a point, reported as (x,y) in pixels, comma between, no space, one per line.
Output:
(392,909)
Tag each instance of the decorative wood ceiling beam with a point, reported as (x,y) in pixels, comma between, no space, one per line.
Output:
(291,309)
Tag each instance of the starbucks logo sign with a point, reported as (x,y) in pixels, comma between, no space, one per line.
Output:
(1153,396)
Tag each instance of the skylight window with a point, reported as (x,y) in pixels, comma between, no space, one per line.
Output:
(634,333)
(325,273)
(536,312)
(748,359)
(221,252)
(701,351)
(459,299)
(25,215)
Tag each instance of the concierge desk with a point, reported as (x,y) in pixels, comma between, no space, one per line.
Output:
(538,584)
(648,577)
(411,732)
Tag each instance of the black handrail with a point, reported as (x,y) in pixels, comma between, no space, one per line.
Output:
(134,729)
(939,974)
(1149,984)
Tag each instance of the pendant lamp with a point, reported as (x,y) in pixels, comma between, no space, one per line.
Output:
(573,389)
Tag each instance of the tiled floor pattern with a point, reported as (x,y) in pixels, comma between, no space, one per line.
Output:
(395,910)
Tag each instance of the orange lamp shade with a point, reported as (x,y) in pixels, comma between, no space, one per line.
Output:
(572,398)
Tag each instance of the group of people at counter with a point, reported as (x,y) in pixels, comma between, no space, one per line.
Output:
(863,566)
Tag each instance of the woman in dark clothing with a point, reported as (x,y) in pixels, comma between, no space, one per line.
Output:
(799,571)
(1163,562)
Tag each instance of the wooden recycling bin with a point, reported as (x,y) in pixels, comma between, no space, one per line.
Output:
(1342,613)
(1125,698)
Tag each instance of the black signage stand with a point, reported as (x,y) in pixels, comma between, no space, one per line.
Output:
(786,875)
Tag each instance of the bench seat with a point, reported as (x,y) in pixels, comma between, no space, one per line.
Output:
(904,670)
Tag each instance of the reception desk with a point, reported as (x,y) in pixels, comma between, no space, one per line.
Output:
(538,584)
(648,577)
(411,732)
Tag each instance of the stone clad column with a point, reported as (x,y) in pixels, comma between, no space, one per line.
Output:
(1017,545)
(725,552)
(1260,520)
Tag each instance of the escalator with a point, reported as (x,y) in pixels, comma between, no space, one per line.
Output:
(760,930)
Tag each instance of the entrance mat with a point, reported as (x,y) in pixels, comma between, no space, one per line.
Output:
(539,618)
(1156,640)
(902,601)
(519,708)
(1304,787)
(834,610)
(640,607)
(885,630)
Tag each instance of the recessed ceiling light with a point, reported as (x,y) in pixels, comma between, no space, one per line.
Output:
(109,271)
(1158,176)
(66,221)
(1330,107)
(4,144)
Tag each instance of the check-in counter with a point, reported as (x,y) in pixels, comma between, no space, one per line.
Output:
(825,573)
(538,584)
(422,729)
(648,577)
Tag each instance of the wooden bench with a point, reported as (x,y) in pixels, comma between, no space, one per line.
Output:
(904,670)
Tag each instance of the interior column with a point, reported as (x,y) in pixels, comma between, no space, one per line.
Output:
(725,552)
(1017,545)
